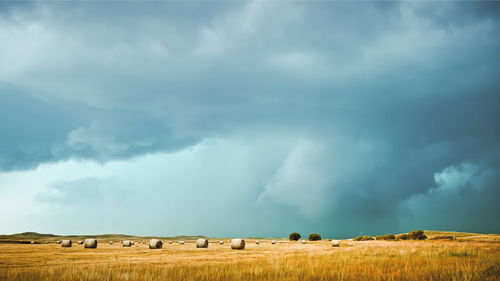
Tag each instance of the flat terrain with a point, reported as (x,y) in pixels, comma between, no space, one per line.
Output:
(467,259)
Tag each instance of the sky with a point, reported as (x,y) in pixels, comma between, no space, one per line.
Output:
(239,119)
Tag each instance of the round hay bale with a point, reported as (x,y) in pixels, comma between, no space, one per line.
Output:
(273,242)
(66,243)
(238,244)
(221,242)
(335,243)
(132,243)
(169,242)
(58,242)
(91,243)
(202,243)
(303,241)
(32,242)
(155,244)
(46,242)
(127,243)
(110,242)
(257,242)
(79,242)
(181,242)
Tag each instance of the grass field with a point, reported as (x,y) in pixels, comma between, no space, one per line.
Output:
(462,259)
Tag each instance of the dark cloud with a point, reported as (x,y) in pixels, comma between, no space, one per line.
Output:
(383,96)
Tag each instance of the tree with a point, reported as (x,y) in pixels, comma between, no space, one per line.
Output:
(314,237)
(294,236)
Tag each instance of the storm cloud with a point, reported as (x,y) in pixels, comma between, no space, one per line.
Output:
(332,117)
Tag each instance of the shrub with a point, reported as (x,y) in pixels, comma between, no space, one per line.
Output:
(417,235)
(357,238)
(443,237)
(403,236)
(366,238)
(294,236)
(314,237)
(386,237)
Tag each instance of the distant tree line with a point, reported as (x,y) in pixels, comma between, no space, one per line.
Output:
(414,235)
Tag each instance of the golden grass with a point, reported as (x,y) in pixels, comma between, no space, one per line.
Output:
(371,260)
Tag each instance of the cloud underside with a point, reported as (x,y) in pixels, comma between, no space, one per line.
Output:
(350,117)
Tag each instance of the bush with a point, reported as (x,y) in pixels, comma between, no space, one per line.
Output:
(417,235)
(443,237)
(362,238)
(294,236)
(386,237)
(403,236)
(414,235)
(314,237)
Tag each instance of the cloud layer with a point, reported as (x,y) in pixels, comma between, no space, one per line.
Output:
(333,117)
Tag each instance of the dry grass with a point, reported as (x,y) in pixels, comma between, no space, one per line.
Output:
(372,260)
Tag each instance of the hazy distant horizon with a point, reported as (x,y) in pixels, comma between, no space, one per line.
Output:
(238,119)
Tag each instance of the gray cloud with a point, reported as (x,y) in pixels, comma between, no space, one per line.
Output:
(384,96)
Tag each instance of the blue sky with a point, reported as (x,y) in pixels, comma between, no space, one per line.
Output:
(249,118)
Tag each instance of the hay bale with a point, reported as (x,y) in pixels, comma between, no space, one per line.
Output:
(155,244)
(202,243)
(238,244)
(127,243)
(335,243)
(32,242)
(221,242)
(303,241)
(58,242)
(110,242)
(90,243)
(170,242)
(46,242)
(181,242)
(66,243)
(79,242)
(273,242)
(257,242)
(132,243)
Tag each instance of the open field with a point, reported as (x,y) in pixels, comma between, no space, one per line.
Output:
(367,260)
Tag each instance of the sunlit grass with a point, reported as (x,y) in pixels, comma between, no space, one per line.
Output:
(370,260)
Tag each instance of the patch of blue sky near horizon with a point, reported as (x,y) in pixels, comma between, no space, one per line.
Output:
(165,194)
